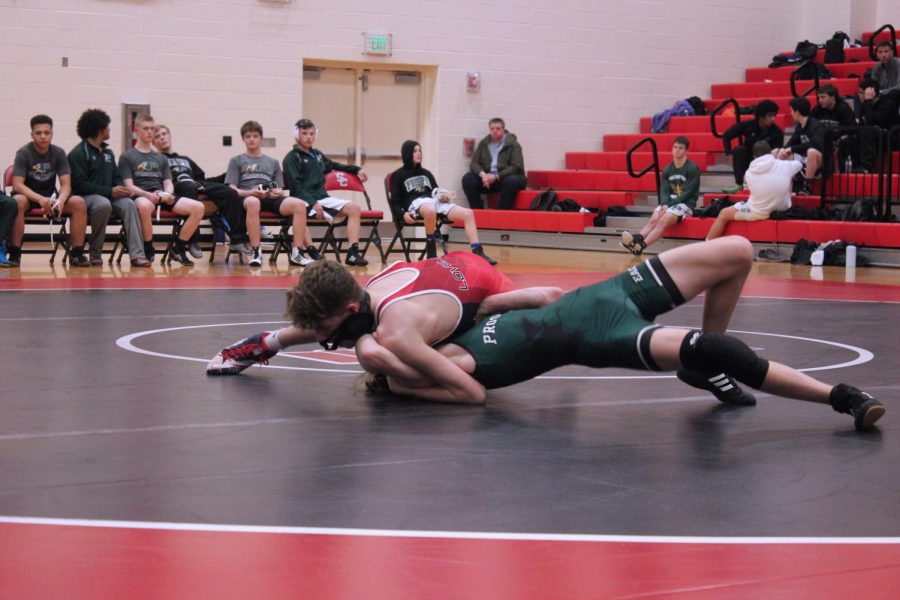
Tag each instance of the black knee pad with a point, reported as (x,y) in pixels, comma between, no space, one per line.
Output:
(720,352)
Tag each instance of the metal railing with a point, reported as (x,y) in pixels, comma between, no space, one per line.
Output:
(872,44)
(654,165)
(796,73)
(715,113)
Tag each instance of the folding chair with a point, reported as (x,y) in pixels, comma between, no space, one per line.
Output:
(402,222)
(162,217)
(36,216)
(368,219)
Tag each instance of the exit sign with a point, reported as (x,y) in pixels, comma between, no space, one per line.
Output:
(378,43)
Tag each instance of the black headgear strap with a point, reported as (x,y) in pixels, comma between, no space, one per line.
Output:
(352,328)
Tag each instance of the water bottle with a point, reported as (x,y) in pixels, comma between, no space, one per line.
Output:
(851,257)
(848,165)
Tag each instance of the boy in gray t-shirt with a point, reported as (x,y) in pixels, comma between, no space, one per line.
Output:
(36,169)
(146,173)
(260,183)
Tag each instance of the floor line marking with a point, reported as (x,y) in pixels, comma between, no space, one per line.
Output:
(467,535)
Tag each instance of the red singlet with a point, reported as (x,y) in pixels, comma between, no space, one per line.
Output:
(461,275)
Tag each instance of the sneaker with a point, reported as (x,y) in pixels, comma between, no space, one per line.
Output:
(256,259)
(724,388)
(96,261)
(480,252)
(634,243)
(441,241)
(863,407)
(355,259)
(314,253)
(4,261)
(78,259)
(804,189)
(242,355)
(194,250)
(734,189)
(141,262)
(13,257)
(430,249)
(149,251)
(178,254)
(298,258)
(241,247)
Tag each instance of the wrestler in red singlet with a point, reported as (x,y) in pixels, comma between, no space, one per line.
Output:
(461,275)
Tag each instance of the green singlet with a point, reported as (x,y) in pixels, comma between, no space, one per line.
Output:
(607,324)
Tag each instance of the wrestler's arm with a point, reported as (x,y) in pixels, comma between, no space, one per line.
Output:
(532,297)
(450,382)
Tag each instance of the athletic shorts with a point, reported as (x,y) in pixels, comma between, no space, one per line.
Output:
(331,205)
(745,212)
(273,205)
(607,324)
(442,208)
(680,210)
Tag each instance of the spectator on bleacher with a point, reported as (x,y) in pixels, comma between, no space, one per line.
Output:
(258,180)
(415,191)
(806,143)
(304,173)
(8,210)
(679,190)
(833,112)
(761,128)
(496,165)
(190,181)
(874,109)
(96,179)
(146,173)
(887,70)
(769,181)
(36,169)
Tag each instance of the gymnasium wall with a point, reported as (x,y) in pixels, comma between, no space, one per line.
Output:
(561,72)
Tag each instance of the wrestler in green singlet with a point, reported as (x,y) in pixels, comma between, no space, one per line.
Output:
(608,324)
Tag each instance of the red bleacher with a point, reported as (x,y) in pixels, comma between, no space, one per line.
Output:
(689,125)
(615,161)
(839,70)
(874,235)
(776,88)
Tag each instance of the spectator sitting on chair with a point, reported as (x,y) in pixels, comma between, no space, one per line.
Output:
(769,180)
(258,180)
(35,171)
(806,143)
(304,172)
(887,70)
(96,179)
(497,165)
(190,181)
(8,210)
(762,128)
(146,173)
(679,189)
(833,112)
(415,190)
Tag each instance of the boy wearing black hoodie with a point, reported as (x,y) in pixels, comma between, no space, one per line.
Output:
(415,191)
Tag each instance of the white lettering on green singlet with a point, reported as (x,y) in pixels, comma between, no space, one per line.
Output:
(635,276)
(489,330)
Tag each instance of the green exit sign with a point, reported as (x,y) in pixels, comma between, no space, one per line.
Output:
(378,43)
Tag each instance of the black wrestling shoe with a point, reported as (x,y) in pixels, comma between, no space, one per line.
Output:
(863,407)
(430,249)
(479,251)
(634,243)
(724,388)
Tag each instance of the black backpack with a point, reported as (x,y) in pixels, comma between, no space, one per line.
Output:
(834,48)
(808,70)
(806,49)
(861,210)
(697,104)
(567,205)
(803,250)
(546,200)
